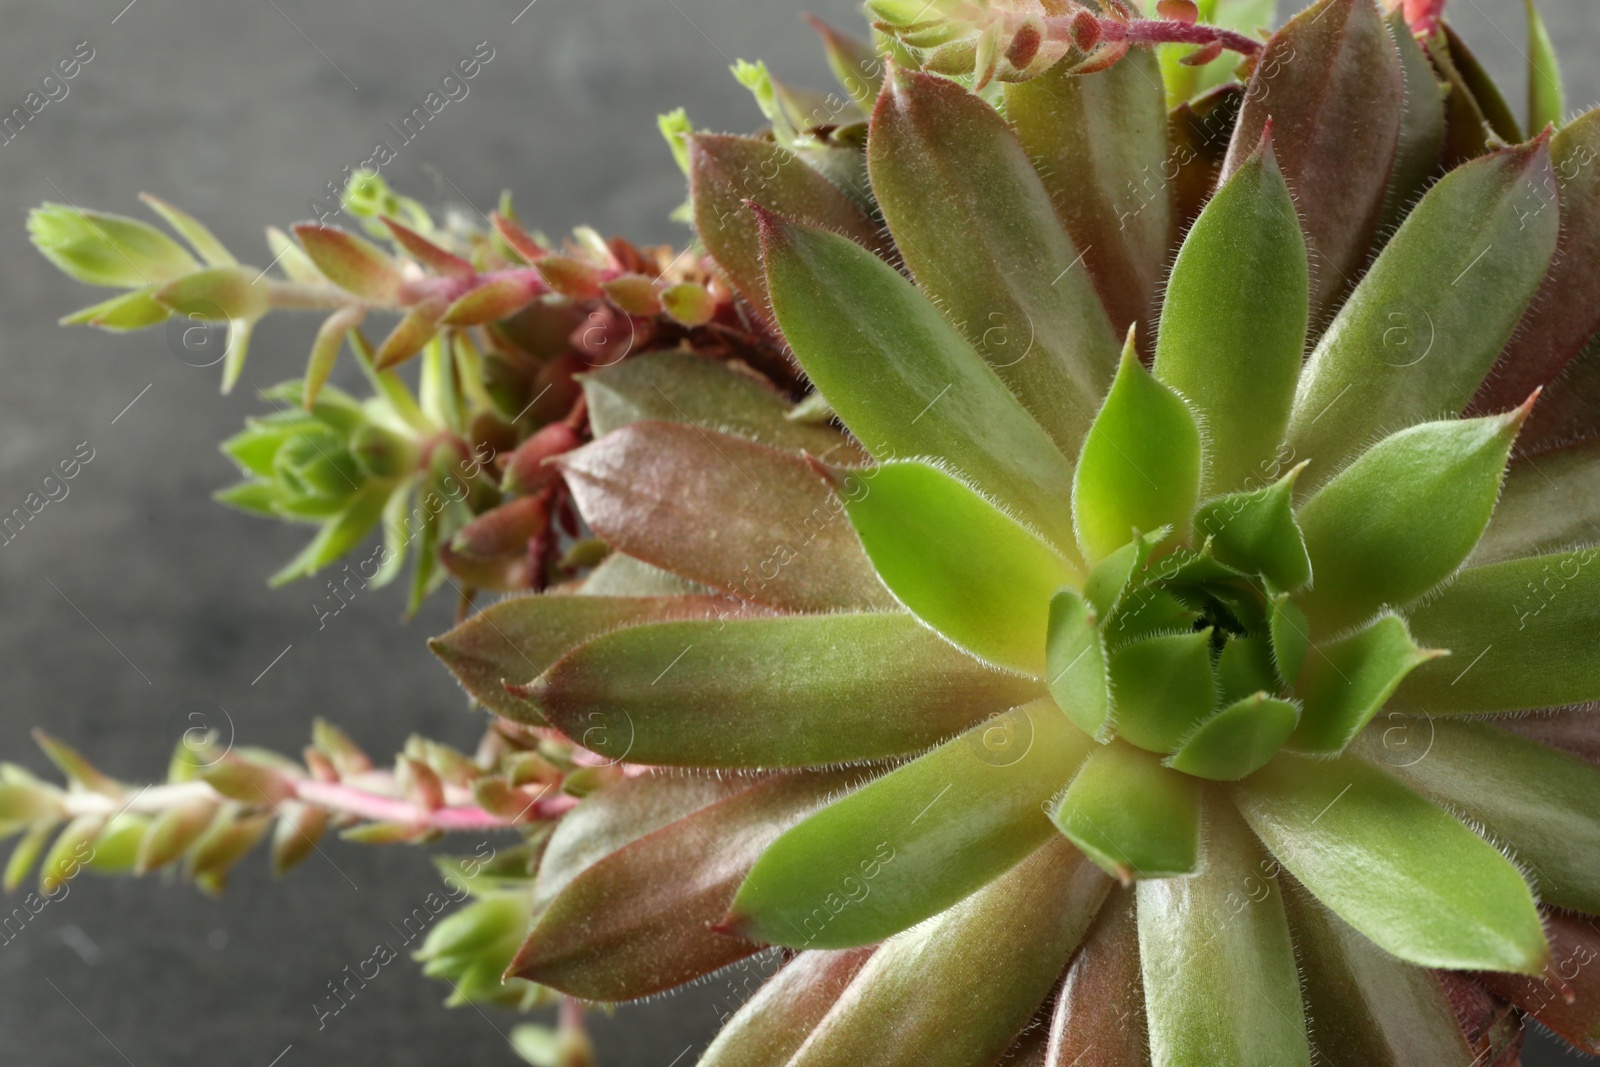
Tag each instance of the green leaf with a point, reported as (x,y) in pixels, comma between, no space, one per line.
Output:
(775,1022)
(130,311)
(1562,318)
(519,638)
(1486,94)
(1546,102)
(1425,325)
(1162,688)
(1132,816)
(1522,634)
(1369,1009)
(679,387)
(1255,532)
(638,922)
(256,497)
(28,849)
(686,499)
(1140,467)
(202,240)
(1349,681)
(1220,980)
(961,565)
(337,536)
(1291,638)
(1100,1007)
(1238,740)
(1233,325)
(110,250)
(1542,803)
(1404,873)
(796,691)
(352,263)
(878,350)
(855,63)
(1099,142)
(935,995)
(1549,502)
(1422,126)
(1403,517)
(1075,665)
(979,233)
(921,837)
(1334,58)
(725,171)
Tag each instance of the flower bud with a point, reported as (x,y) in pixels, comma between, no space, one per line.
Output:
(109,250)
(529,468)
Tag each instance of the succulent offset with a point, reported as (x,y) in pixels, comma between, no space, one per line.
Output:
(1154,619)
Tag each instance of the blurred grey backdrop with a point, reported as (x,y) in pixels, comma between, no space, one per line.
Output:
(135,595)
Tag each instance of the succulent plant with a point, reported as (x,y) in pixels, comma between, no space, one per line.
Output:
(1153,619)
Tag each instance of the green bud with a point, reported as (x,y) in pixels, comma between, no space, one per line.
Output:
(108,250)
(382,453)
(319,465)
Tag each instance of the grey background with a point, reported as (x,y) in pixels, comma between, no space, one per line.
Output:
(240,112)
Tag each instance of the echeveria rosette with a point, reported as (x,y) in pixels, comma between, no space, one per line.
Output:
(1094,695)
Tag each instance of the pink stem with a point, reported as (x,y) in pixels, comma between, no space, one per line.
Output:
(1168,31)
(347,800)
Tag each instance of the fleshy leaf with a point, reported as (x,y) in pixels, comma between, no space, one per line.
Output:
(776,1021)
(962,566)
(1141,463)
(967,209)
(1426,324)
(687,500)
(350,262)
(1543,804)
(1099,142)
(1238,740)
(1422,126)
(795,691)
(1406,874)
(1546,102)
(1562,316)
(957,990)
(878,349)
(679,387)
(1221,990)
(1403,517)
(102,249)
(1162,688)
(1549,502)
(1101,1004)
(1522,633)
(724,172)
(1348,682)
(1291,638)
(1256,532)
(1132,816)
(923,836)
(1233,325)
(1566,996)
(618,815)
(638,921)
(1369,1009)
(517,639)
(1334,58)
(855,64)
(1075,665)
